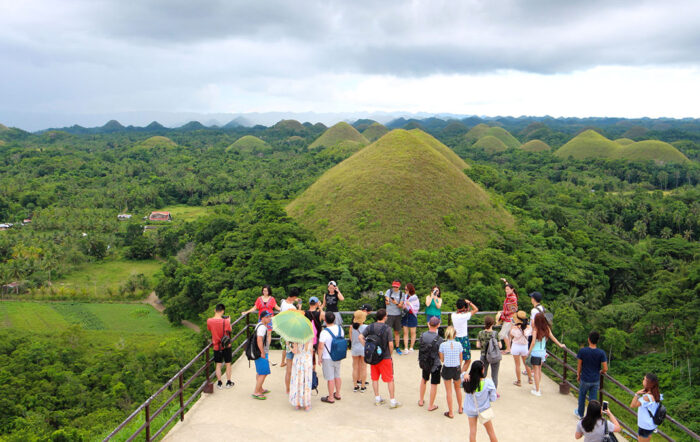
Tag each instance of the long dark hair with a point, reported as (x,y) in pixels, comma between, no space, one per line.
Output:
(542,326)
(269,290)
(476,373)
(592,416)
(653,389)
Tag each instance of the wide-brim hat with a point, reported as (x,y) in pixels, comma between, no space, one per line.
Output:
(360,316)
(520,317)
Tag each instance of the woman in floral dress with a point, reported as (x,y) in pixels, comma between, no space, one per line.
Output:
(302,367)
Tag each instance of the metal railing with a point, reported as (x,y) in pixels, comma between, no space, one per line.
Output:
(603,393)
(207,387)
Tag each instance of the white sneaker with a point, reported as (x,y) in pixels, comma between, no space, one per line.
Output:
(396,404)
(379,402)
(536,393)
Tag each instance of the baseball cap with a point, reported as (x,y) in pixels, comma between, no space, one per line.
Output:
(366,307)
(313,300)
(264,313)
(396,284)
(537,296)
(434,321)
(333,283)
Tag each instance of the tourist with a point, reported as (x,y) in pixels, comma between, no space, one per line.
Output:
(291,303)
(357,350)
(460,322)
(330,301)
(314,314)
(394,299)
(262,364)
(482,342)
(479,393)
(429,362)
(433,303)
(648,400)
(519,345)
(265,303)
(510,306)
(301,379)
(220,326)
(331,368)
(536,299)
(385,368)
(541,332)
(451,358)
(409,321)
(592,363)
(592,426)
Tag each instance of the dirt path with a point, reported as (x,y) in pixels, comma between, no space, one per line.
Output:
(157,304)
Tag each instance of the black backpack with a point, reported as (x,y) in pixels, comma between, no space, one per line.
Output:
(252,351)
(660,414)
(225,340)
(426,359)
(374,353)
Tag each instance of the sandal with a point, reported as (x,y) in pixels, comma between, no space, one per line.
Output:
(326,400)
(517,383)
(336,397)
(447,414)
(433,409)
(529,381)
(421,403)
(259,397)
(266,391)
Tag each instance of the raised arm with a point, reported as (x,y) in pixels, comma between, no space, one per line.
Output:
(613,419)
(474,308)
(340,295)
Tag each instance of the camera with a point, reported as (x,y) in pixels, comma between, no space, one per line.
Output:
(605,405)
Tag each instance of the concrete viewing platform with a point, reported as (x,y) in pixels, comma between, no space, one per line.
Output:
(232,414)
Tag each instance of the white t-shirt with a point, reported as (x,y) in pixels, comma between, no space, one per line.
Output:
(460,321)
(261,330)
(284,306)
(533,312)
(325,339)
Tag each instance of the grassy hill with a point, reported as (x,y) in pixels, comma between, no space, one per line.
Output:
(406,188)
(374,132)
(588,144)
(292,125)
(655,150)
(509,140)
(490,144)
(591,144)
(535,146)
(157,141)
(476,132)
(624,141)
(340,132)
(249,144)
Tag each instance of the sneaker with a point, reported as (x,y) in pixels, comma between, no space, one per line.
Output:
(219,385)
(356,389)
(536,393)
(398,350)
(379,402)
(363,389)
(410,350)
(578,416)
(229,384)
(396,404)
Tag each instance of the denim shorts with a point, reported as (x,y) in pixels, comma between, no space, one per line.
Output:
(644,433)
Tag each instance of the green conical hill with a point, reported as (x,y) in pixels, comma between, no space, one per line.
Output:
(490,144)
(509,140)
(374,132)
(476,132)
(535,146)
(588,144)
(624,141)
(292,125)
(444,150)
(339,132)
(249,144)
(655,150)
(157,141)
(400,189)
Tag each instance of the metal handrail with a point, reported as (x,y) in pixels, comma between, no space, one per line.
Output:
(602,393)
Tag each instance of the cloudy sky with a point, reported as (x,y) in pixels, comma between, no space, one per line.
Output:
(79,61)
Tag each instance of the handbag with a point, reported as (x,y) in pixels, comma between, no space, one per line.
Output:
(225,340)
(484,416)
(608,437)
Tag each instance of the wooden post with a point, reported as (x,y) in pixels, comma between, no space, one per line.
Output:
(148,422)
(182,405)
(600,390)
(564,387)
(247,326)
(208,387)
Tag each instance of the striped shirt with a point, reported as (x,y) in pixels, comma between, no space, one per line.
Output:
(451,351)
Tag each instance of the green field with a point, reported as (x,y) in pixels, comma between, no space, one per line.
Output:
(43,317)
(182,212)
(101,277)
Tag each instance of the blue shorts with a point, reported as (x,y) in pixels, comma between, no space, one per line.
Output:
(262,365)
(644,433)
(409,320)
(466,348)
(290,355)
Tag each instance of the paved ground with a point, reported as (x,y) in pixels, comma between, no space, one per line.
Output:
(234,415)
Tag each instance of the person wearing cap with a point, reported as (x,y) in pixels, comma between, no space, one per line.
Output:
(460,321)
(536,299)
(519,334)
(409,321)
(394,299)
(262,364)
(357,350)
(314,314)
(330,301)
(430,341)
(291,303)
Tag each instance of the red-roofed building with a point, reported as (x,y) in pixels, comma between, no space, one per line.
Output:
(160,216)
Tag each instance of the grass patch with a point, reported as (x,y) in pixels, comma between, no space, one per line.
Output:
(101,280)
(182,212)
(337,134)
(375,131)
(249,144)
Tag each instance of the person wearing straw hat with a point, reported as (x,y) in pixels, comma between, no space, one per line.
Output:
(357,350)
(519,345)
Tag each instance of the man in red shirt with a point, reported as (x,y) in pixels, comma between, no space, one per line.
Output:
(219,326)
(510,307)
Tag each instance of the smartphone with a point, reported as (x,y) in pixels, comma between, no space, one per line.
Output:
(605,405)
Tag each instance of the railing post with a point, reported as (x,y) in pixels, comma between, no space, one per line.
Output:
(208,386)
(182,403)
(566,353)
(247,326)
(148,422)
(600,390)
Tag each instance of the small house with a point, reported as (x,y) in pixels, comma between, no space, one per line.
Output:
(13,287)
(27,221)
(123,216)
(5,226)
(160,216)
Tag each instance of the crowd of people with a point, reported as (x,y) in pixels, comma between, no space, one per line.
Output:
(444,354)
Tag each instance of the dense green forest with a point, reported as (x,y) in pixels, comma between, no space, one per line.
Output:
(612,244)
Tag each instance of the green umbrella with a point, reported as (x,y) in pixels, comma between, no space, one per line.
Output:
(293,326)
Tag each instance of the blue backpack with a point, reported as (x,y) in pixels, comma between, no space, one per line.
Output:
(339,346)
